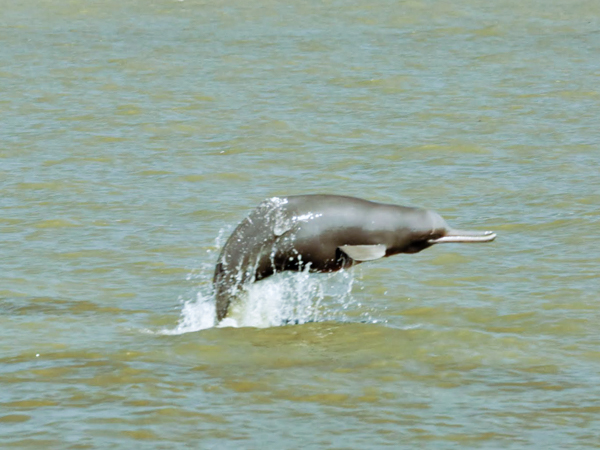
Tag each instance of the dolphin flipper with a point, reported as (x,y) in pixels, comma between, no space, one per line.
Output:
(364,252)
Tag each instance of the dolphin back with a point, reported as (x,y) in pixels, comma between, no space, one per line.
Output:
(248,251)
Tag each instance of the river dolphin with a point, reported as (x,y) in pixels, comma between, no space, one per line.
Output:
(324,233)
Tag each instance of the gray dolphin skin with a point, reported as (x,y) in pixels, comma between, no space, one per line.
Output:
(324,233)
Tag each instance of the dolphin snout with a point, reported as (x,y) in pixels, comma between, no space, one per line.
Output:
(464,236)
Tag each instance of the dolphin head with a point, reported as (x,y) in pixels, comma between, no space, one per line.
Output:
(425,228)
(442,233)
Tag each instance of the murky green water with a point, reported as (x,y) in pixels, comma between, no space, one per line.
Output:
(133,134)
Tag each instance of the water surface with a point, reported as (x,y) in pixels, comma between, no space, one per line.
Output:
(135,135)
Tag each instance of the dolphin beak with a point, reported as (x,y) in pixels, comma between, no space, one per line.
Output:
(464,236)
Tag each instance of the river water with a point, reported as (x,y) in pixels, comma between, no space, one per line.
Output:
(135,135)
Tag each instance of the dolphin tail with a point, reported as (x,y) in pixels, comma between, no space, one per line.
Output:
(464,236)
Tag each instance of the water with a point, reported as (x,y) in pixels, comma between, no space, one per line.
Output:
(134,136)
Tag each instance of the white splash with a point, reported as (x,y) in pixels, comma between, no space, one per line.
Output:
(287,298)
(306,217)
(196,315)
(275,301)
(276,201)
